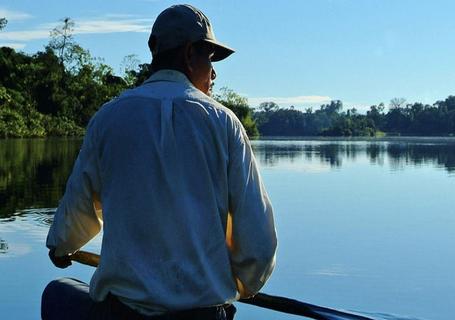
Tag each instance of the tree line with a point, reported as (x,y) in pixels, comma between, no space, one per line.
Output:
(410,119)
(55,92)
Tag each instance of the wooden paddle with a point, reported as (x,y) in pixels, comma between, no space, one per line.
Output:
(263,300)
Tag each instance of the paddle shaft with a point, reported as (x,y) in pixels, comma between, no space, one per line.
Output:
(263,300)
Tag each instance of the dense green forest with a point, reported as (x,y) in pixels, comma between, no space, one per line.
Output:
(54,92)
(329,120)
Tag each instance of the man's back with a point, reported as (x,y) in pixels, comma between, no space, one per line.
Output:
(169,163)
(169,175)
(163,164)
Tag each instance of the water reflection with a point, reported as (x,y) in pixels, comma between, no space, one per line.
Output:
(33,172)
(3,246)
(42,217)
(397,152)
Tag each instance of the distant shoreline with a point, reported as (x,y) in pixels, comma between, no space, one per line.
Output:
(427,139)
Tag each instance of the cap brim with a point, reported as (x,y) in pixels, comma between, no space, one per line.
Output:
(221,51)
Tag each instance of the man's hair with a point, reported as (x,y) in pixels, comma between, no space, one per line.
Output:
(173,58)
(169,59)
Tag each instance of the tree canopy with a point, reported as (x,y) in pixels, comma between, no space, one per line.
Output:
(239,105)
(329,120)
(3,23)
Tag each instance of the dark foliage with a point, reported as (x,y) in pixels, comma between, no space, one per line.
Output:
(329,120)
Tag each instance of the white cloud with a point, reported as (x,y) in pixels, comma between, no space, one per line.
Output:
(13,15)
(296,101)
(301,102)
(107,24)
(25,35)
(110,25)
(13,45)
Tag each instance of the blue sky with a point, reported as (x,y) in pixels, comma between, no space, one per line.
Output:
(301,52)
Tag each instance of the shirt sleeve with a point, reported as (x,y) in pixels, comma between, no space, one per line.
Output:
(78,217)
(253,237)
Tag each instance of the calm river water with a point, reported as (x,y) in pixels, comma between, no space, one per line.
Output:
(363,225)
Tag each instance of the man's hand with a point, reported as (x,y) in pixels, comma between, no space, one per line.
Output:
(244,292)
(59,262)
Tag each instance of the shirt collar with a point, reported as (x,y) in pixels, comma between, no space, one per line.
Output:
(169,75)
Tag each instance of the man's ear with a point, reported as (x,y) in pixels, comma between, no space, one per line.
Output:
(153,41)
(188,51)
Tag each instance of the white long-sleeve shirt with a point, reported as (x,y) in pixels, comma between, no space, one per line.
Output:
(168,165)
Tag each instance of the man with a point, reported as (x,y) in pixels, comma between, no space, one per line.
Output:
(170,176)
